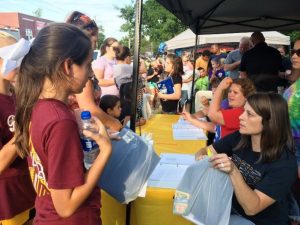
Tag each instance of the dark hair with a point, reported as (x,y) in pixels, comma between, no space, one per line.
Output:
(126,91)
(177,64)
(206,53)
(106,43)
(247,86)
(122,52)
(83,22)
(276,134)
(216,59)
(214,83)
(108,102)
(159,69)
(53,45)
(257,37)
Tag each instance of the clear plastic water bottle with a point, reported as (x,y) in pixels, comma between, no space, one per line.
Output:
(90,147)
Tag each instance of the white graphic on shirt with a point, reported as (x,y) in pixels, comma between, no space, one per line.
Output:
(11,123)
(37,173)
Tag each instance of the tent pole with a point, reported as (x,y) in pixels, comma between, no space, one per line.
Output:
(194,72)
(136,62)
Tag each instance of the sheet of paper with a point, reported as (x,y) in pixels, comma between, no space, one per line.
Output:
(170,170)
(174,158)
(184,130)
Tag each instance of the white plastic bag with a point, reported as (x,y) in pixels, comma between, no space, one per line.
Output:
(129,167)
(204,195)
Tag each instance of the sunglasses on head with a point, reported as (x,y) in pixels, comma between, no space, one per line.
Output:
(85,20)
(297,51)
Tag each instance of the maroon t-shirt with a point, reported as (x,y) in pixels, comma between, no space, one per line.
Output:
(56,159)
(16,191)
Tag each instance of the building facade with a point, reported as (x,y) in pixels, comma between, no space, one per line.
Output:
(21,25)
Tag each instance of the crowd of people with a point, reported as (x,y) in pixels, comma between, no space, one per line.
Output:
(254,132)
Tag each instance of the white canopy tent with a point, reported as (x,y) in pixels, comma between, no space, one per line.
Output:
(187,39)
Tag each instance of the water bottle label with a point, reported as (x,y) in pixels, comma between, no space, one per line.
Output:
(88,144)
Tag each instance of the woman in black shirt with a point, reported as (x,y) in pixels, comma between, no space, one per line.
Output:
(259,160)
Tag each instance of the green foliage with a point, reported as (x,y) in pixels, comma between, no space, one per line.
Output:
(101,36)
(37,12)
(294,35)
(158,24)
(146,45)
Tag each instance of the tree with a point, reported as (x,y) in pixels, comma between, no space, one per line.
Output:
(158,24)
(101,36)
(294,35)
(38,12)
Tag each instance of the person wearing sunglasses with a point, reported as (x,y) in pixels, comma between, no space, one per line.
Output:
(90,97)
(104,67)
(85,23)
(292,95)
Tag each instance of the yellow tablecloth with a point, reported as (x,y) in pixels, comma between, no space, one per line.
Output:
(160,125)
(156,207)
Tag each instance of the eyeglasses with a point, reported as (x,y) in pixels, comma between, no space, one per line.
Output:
(297,51)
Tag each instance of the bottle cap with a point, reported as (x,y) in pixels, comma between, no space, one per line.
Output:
(85,115)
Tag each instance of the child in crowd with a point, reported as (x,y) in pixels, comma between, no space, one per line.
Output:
(226,120)
(111,104)
(202,82)
(174,69)
(47,131)
(187,80)
(126,99)
(217,71)
(203,98)
(153,74)
(16,190)
(123,69)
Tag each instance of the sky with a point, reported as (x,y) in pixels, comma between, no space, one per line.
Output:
(102,11)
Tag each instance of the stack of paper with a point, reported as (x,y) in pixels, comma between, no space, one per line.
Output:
(184,130)
(170,170)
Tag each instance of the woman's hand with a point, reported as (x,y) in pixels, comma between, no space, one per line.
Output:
(187,116)
(204,101)
(225,83)
(223,163)
(206,151)
(201,154)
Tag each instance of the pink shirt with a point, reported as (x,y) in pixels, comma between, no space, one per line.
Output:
(107,65)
